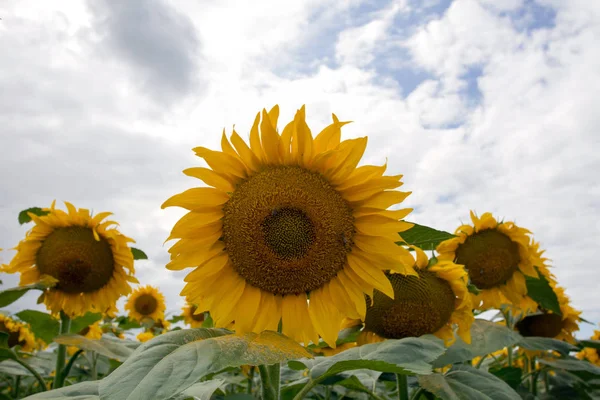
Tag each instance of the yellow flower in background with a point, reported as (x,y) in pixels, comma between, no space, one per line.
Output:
(592,355)
(90,259)
(191,316)
(286,218)
(328,351)
(18,334)
(92,332)
(497,256)
(145,336)
(146,302)
(432,303)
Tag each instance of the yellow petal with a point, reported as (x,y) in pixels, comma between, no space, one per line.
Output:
(366,190)
(226,146)
(384,200)
(224,311)
(354,293)
(184,232)
(196,258)
(274,115)
(248,157)
(362,175)
(347,164)
(210,177)
(222,163)
(255,144)
(325,318)
(210,267)
(198,199)
(246,309)
(329,138)
(341,298)
(285,142)
(373,276)
(302,141)
(376,225)
(269,139)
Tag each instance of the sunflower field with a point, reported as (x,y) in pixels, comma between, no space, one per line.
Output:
(307,280)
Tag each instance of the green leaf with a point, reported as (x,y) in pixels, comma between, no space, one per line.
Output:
(208,321)
(138,254)
(424,237)
(79,323)
(4,340)
(124,380)
(24,215)
(571,364)
(200,391)
(11,367)
(125,323)
(11,295)
(7,354)
(594,344)
(541,291)
(464,382)
(108,348)
(176,319)
(542,343)
(510,375)
(403,356)
(43,326)
(486,337)
(79,391)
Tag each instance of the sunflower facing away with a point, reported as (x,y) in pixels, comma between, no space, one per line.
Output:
(287,218)
(432,303)
(145,336)
(192,317)
(146,302)
(497,256)
(18,334)
(90,259)
(592,355)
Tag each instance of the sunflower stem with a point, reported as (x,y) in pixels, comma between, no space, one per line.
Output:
(402,386)
(94,370)
(250,379)
(67,369)
(65,327)
(307,388)
(509,352)
(17,386)
(269,376)
(28,367)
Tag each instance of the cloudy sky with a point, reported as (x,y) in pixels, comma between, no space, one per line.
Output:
(490,105)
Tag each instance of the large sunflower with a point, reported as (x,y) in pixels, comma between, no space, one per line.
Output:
(146,302)
(496,255)
(18,334)
(91,260)
(192,317)
(590,354)
(433,303)
(287,218)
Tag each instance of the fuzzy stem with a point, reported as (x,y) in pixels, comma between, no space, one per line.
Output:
(65,326)
(269,376)
(402,386)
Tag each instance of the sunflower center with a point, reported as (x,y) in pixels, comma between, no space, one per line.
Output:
(196,317)
(490,257)
(84,331)
(421,305)
(287,230)
(13,337)
(542,325)
(146,304)
(74,257)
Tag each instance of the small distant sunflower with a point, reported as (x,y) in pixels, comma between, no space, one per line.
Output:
(592,355)
(496,256)
(287,218)
(92,332)
(547,324)
(145,336)
(18,334)
(192,317)
(90,259)
(431,303)
(146,302)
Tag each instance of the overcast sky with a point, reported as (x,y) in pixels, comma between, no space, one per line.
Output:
(490,105)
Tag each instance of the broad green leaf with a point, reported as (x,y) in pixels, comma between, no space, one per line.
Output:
(200,391)
(43,326)
(11,367)
(542,343)
(594,344)
(106,347)
(4,340)
(182,368)
(424,237)
(79,323)
(122,382)
(138,254)
(11,295)
(464,382)
(24,215)
(571,364)
(540,290)
(486,337)
(79,391)
(510,375)
(403,356)
(7,354)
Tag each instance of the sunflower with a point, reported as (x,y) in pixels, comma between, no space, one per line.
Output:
(146,302)
(287,218)
(90,259)
(590,354)
(92,332)
(145,336)
(431,303)
(328,351)
(497,256)
(192,317)
(18,334)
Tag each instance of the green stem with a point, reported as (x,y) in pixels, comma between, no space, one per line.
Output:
(546,382)
(250,379)
(94,371)
(269,376)
(67,369)
(34,373)
(17,386)
(402,386)
(481,361)
(376,396)
(307,388)
(509,356)
(533,377)
(417,393)
(65,326)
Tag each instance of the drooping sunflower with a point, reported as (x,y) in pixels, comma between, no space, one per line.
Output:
(191,316)
(145,336)
(146,302)
(287,218)
(90,259)
(18,334)
(497,257)
(434,302)
(590,354)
